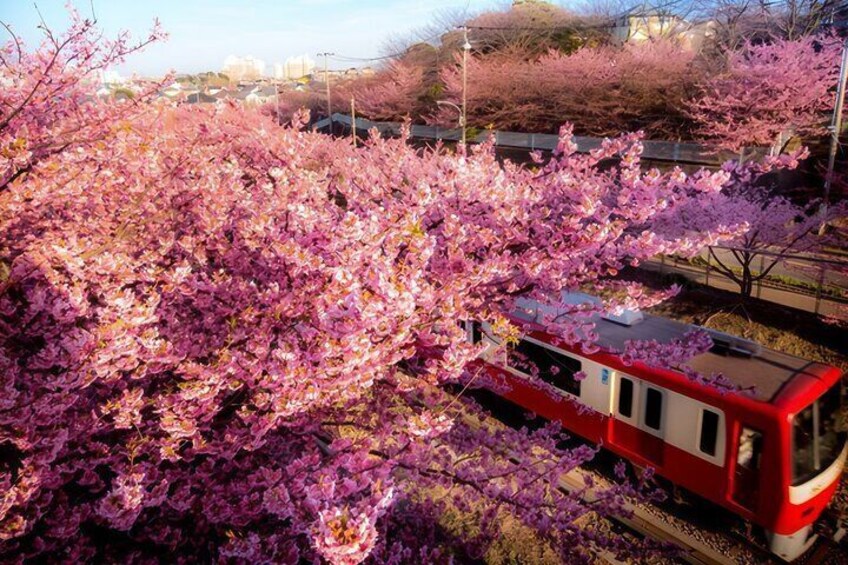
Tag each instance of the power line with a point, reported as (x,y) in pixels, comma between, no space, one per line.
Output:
(471,27)
(364,59)
(574,27)
(389,55)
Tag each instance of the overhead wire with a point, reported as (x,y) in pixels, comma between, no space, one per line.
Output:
(399,53)
(389,55)
(470,27)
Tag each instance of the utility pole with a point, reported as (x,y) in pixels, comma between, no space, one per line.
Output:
(327,82)
(835,130)
(277,100)
(353,120)
(466,47)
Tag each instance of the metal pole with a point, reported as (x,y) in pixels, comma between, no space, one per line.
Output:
(327,81)
(760,282)
(466,47)
(835,130)
(353,119)
(709,265)
(819,289)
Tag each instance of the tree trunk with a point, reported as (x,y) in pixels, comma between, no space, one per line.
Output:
(747,284)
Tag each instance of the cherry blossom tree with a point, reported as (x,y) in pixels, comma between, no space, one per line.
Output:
(46,105)
(290,104)
(393,94)
(775,225)
(530,27)
(767,90)
(603,91)
(224,340)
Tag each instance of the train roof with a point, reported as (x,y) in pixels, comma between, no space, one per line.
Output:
(766,372)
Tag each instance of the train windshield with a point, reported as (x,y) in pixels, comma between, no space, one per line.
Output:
(818,435)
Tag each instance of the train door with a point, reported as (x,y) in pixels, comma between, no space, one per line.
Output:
(652,423)
(625,408)
(639,419)
(746,484)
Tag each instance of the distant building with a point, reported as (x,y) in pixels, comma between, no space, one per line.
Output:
(200,98)
(173,90)
(644,22)
(111,77)
(243,68)
(294,68)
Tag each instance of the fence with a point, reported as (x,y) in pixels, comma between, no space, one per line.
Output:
(814,284)
(667,151)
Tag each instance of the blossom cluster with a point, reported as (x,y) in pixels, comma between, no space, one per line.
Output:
(221,339)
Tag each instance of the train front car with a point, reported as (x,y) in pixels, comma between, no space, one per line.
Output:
(814,441)
(772,452)
(787,439)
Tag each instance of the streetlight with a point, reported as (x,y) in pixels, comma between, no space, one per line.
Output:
(461,115)
(466,47)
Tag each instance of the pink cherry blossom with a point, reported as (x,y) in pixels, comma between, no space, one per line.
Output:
(224,338)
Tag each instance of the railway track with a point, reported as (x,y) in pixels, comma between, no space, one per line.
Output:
(641,522)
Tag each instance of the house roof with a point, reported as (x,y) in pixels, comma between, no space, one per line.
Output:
(242,93)
(200,97)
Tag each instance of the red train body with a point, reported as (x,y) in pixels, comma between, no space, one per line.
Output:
(774,455)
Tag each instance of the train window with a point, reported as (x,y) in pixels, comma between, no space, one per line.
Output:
(817,436)
(552,367)
(750,449)
(709,432)
(653,408)
(802,440)
(625,397)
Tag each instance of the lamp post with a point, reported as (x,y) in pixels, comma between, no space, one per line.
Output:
(466,47)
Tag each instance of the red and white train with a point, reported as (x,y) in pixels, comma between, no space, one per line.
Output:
(774,456)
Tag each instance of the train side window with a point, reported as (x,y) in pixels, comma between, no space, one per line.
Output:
(625,397)
(550,366)
(750,449)
(709,432)
(653,408)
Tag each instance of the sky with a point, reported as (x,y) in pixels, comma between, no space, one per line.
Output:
(204,32)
